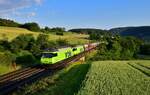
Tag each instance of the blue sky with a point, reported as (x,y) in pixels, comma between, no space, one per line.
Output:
(104,14)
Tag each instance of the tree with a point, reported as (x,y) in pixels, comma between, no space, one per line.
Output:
(10,23)
(58,29)
(145,49)
(47,28)
(36,51)
(31,26)
(118,48)
(130,46)
(42,41)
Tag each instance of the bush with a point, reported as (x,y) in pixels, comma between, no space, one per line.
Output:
(28,59)
(4,44)
(2,49)
(22,42)
(60,33)
(62,42)
(25,58)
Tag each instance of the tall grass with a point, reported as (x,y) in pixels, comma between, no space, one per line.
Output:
(5,64)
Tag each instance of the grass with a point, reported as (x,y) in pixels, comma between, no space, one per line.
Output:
(12,32)
(115,78)
(4,69)
(7,68)
(64,82)
(5,64)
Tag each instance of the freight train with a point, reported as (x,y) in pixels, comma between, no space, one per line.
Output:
(64,53)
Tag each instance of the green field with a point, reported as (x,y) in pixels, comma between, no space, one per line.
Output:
(94,78)
(12,32)
(116,78)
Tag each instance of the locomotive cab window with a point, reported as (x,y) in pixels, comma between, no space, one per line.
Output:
(49,55)
(74,49)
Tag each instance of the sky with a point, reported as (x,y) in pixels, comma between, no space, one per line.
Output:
(103,14)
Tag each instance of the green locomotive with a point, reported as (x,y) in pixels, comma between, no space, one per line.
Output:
(61,54)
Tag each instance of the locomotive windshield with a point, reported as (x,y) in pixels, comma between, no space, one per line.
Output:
(74,49)
(49,55)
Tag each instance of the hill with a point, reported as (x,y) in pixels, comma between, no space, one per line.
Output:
(12,32)
(142,32)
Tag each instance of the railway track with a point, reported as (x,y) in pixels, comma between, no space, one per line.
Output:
(14,80)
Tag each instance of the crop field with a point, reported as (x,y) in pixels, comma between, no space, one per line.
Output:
(12,32)
(144,68)
(146,64)
(117,78)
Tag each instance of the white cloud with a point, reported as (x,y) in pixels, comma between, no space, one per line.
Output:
(4,1)
(24,15)
(38,1)
(8,7)
(32,14)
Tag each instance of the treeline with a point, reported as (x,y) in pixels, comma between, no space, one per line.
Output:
(26,50)
(88,31)
(32,26)
(119,48)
